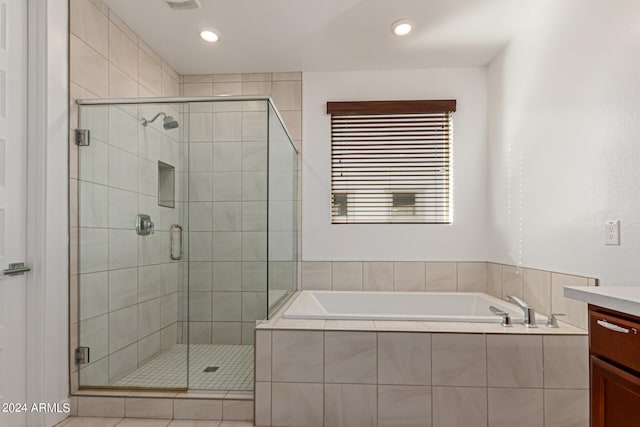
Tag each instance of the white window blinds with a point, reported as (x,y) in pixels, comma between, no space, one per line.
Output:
(391,161)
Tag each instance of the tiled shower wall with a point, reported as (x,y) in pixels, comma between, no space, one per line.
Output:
(228,201)
(541,289)
(128,286)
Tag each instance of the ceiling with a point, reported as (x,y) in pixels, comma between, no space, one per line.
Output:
(325,35)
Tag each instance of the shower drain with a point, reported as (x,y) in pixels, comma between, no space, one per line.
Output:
(211,369)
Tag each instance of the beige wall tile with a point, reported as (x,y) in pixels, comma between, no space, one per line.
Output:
(287,95)
(100,5)
(218,78)
(146,49)
(286,76)
(256,77)
(297,405)
(263,404)
(350,357)
(257,88)
(197,89)
(197,409)
(514,361)
(537,289)
(566,361)
(121,85)
(100,406)
(459,407)
(123,52)
(88,68)
(227,89)
(74,406)
(404,406)
(95,373)
(122,26)
(237,410)
(169,85)
(441,276)
(459,360)
(346,276)
(89,24)
(263,355)
(150,73)
(347,405)
(123,328)
(123,362)
(472,276)
(576,311)
(409,277)
(494,279)
(297,356)
(197,78)
(378,276)
(167,68)
(340,325)
(148,408)
(566,408)
(293,122)
(516,406)
(404,358)
(316,275)
(512,281)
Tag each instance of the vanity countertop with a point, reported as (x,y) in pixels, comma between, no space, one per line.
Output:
(625,299)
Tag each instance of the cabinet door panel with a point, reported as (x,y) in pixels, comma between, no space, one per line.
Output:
(615,396)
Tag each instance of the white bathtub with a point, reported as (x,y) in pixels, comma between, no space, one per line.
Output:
(425,306)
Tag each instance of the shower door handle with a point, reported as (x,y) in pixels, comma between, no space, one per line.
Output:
(172,230)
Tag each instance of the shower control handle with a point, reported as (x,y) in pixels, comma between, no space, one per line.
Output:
(144,225)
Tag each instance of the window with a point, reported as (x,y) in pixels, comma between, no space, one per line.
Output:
(391,161)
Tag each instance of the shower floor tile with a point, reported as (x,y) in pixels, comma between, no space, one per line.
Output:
(168,369)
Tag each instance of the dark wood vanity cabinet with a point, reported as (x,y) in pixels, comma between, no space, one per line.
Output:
(614,350)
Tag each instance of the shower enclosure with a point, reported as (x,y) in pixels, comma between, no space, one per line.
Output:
(184,234)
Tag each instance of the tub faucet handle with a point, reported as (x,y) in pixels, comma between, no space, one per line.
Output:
(552,321)
(506,317)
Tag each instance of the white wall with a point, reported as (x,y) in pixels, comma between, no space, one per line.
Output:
(564,141)
(47,217)
(465,239)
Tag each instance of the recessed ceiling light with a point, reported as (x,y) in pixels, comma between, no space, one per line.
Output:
(209,36)
(402,27)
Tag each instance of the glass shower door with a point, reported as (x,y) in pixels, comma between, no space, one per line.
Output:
(127,192)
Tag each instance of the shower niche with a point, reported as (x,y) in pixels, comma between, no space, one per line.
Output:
(218,179)
(166,185)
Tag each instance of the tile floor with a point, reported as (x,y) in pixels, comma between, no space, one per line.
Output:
(234,373)
(135,422)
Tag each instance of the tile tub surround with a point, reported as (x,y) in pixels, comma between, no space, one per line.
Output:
(386,373)
(542,289)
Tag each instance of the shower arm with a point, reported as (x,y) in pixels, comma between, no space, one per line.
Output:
(146,122)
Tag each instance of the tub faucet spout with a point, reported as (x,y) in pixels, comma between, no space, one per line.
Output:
(529,311)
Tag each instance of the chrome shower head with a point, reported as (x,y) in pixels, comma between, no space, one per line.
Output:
(169,121)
